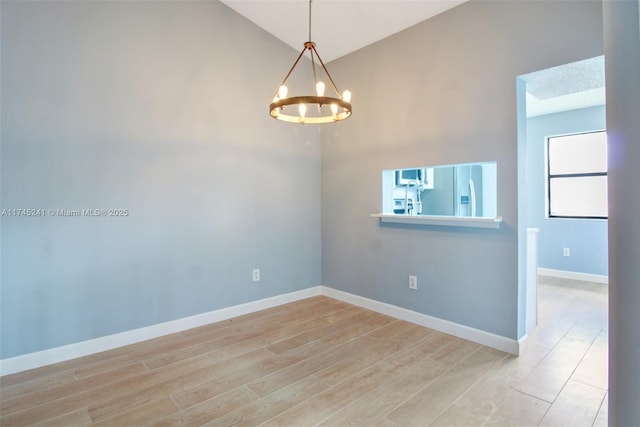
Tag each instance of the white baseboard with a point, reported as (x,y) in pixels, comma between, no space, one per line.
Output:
(573,275)
(60,354)
(461,331)
(521,344)
(85,348)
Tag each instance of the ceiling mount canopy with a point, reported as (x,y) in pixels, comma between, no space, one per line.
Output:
(316,108)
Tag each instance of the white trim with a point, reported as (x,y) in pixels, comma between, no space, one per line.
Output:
(521,345)
(461,331)
(84,348)
(574,275)
(60,354)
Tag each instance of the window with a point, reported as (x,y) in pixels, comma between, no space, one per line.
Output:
(577,176)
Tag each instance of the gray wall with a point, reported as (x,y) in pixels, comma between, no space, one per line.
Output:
(586,238)
(622,66)
(159,108)
(441,92)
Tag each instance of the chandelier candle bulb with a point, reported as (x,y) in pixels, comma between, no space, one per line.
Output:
(320,89)
(346,96)
(282,92)
(303,110)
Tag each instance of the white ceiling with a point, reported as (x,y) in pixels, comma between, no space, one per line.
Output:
(340,27)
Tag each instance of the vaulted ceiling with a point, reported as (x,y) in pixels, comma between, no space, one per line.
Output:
(340,27)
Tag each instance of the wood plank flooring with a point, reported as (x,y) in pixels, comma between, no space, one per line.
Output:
(324,362)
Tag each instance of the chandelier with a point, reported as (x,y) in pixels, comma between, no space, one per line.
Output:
(312,109)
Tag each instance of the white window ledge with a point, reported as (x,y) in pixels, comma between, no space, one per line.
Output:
(447,221)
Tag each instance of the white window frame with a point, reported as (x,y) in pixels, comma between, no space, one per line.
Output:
(586,174)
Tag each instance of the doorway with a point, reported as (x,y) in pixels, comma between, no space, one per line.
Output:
(559,101)
(565,301)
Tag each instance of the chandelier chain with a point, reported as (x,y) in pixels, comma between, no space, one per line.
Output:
(310,20)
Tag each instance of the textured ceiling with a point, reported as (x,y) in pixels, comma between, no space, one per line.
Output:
(566,79)
(566,87)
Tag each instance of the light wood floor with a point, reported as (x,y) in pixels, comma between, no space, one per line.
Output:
(324,362)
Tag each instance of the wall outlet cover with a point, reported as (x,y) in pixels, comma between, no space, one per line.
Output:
(413,282)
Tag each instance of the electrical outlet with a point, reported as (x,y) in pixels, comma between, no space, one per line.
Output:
(256,274)
(413,282)
(566,252)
